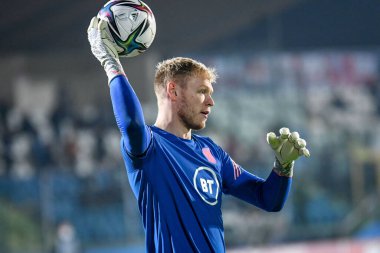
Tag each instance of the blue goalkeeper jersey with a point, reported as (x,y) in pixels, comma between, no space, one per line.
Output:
(178,183)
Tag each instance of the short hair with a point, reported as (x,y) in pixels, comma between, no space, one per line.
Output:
(178,69)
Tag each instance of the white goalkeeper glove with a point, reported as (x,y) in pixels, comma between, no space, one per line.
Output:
(287,147)
(104,48)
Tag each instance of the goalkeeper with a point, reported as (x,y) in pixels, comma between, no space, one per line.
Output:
(178,177)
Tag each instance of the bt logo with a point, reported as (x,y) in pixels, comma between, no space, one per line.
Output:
(207,185)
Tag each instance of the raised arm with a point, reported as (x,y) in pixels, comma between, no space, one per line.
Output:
(129,116)
(125,103)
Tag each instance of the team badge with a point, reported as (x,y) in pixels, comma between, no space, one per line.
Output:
(207,153)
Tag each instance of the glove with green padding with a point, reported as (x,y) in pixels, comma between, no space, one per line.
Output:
(104,48)
(287,147)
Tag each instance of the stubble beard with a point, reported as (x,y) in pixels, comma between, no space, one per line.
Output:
(186,115)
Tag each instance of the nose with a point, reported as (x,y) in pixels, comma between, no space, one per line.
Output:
(210,101)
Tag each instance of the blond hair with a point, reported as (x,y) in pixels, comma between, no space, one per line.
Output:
(178,69)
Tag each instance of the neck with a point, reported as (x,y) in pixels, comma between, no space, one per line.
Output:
(172,125)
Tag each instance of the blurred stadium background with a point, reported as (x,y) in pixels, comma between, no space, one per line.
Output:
(310,65)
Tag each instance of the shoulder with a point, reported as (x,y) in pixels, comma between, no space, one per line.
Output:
(207,140)
(203,139)
(210,143)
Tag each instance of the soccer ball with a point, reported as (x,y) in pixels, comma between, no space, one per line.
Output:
(131,25)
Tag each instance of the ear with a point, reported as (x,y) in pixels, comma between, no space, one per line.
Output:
(171,90)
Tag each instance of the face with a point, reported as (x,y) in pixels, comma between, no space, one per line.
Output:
(195,102)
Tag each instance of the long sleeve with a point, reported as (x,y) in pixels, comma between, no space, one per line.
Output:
(269,194)
(129,116)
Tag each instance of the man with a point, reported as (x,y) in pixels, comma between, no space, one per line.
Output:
(177,176)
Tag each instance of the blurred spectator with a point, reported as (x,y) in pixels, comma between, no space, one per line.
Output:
(66,240)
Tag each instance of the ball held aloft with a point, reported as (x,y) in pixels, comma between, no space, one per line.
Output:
(131,25)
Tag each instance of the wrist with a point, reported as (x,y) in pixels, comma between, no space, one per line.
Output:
(285,170)
(113,68)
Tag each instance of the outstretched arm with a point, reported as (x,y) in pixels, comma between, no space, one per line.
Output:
(269,194)
(126,105)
